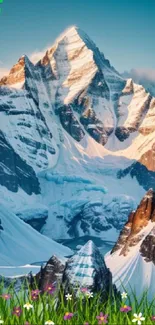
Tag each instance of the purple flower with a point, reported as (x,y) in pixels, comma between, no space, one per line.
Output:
(153,318)
(27,323)
(125,309)
(68,316)
(6,296)
(35,294)
(86,324)
(102,318)
(17,311)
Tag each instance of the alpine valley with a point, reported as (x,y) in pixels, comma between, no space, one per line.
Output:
(77,155)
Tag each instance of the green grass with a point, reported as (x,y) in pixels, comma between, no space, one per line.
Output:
(84,309)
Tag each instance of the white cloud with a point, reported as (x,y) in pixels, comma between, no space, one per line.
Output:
(37,55)
(148,74)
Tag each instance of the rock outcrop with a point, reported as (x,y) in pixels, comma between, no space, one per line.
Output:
(134,230)
(51,273)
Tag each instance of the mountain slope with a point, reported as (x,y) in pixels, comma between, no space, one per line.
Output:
(20,244)
(132,260)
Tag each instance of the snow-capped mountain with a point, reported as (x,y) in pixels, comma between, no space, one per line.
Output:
(132,260)
(77,141)
(87,269)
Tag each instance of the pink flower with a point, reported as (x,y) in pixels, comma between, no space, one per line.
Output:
(27,323)
(17,311)
(6,296)
(153,318)
(49,288)
(68,316)
(125,309)
(84,290)
(35,294)
(86,324)
(102,318)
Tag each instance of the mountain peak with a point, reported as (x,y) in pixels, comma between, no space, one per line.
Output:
(87,268)
(16,76)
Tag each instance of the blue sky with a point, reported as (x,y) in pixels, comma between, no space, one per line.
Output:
(123,29)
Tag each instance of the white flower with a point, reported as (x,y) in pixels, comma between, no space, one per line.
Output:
(138,318)
(124,295)
(89,294)
(49,322)
(28,306)
(68,296)
(1,321)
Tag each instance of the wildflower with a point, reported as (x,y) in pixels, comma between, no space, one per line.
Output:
(17,311)
(27,323)
(138,318)
(125,309)
(68,296)
(89,294)
(49,288)
(35,294)
(6,296)
(28,306)
(68,316)
(49,322)
(1,321)
(86,324)
(124,295)
(102,318)
(153,318)
(84,290)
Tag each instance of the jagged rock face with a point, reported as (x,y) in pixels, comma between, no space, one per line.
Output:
(14,171)
(36,218)
(51,273)
(147,248)
(16,74)
(24,125)
(87,269)
(138,220)
(144,176)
